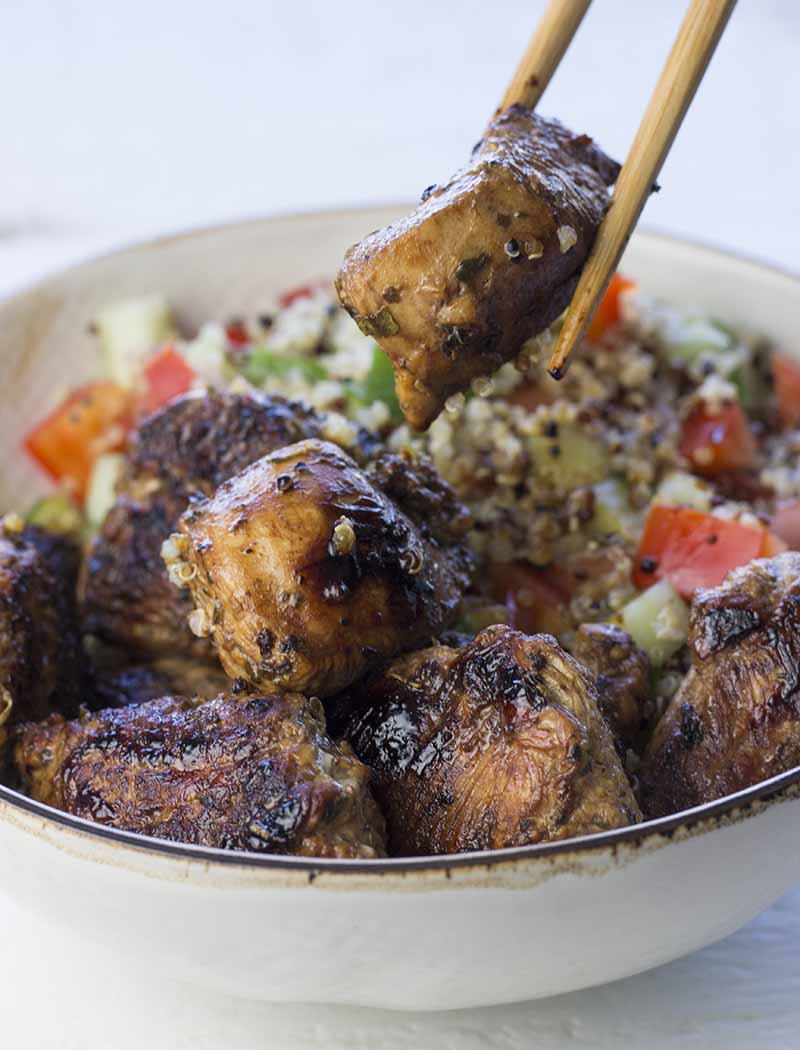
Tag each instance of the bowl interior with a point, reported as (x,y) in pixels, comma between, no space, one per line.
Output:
(46,346)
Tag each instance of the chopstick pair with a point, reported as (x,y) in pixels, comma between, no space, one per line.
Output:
(694,45)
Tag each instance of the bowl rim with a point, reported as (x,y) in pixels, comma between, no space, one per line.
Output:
(742,805)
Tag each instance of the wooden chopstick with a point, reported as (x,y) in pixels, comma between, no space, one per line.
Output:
(694,45)
(544,52)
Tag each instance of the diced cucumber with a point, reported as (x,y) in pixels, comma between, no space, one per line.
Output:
(101,491)
(613,514)
(57,513)
(689,338)
(658,621)
(570,459)
(128,330)
(679,489)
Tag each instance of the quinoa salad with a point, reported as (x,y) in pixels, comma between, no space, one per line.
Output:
(666,416)
(565,607)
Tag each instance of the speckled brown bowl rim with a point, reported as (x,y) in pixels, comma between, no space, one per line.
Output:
(742,804)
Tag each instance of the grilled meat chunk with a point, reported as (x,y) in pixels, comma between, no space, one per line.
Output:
(497,744)
(307,574)
(180,453)
(41,660)
(621,672)
(736,718)
(486,261)
(253,774)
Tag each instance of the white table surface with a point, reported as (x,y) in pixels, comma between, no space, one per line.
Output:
(126,119)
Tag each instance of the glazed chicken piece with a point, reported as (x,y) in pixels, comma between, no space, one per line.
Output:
(258,773)
(736,719)
(497,744)
(485,262)
(621,673)
(41,661)
(180,453)
(306,574)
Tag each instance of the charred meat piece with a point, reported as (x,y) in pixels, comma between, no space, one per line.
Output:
(736,718)
(41,659)
(253,774)
(307,575)
(498,744)
(485,262)
(621,672)
(180,453)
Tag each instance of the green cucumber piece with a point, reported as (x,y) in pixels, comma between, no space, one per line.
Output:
(102,487)
(569,460)
(613,514)
(658,621)
(129,330)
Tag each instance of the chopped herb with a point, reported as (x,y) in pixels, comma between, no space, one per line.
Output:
(377,385)
(262,363)
(376,325)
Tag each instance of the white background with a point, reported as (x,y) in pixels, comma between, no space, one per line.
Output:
(123,119)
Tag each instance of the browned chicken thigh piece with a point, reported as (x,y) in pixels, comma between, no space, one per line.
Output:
(258,773)
(621,672)
(41,660)
(736,719)
(486,261)
(306,574)
(497,744)
(180,453)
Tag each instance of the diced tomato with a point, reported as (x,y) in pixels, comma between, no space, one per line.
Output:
(237,333)
(692,549)
(609,311)
(786,371)
(786,523)
(166,375)
(714,444)
(302,291)
(534,601)
(93,419)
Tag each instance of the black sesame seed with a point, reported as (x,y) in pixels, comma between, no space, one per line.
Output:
(648,565)
(551,429)
(512,249)
(428,191)
(712,538)
(284,482)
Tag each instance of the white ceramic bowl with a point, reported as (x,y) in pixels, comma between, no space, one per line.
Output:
(425,934)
